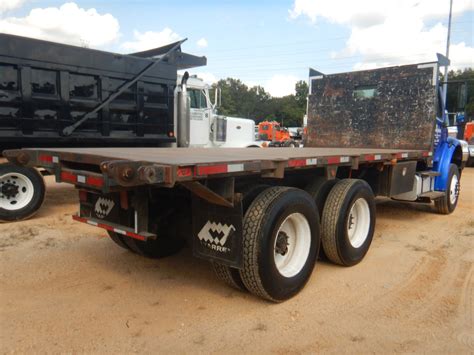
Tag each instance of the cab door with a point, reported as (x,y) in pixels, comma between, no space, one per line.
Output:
(200,116)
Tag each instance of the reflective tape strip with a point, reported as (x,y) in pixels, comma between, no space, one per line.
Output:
(110,228)
(334,160)
(211,169)
(184,172)
(233,168)
(119,231)
(66,176)
(94,181)
(297,162)
(45,158)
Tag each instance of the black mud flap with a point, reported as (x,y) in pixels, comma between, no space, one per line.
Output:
(217,232)
(106,208)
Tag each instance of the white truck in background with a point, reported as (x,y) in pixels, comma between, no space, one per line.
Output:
(208,129)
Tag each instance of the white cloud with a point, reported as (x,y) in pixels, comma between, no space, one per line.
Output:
(7,5)
(66,24)
(151,39)
(390,32)
(202,43)
(281,85)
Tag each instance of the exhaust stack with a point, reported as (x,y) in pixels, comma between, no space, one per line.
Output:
(184,114)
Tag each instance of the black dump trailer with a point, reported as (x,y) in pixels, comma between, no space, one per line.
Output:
(56,95)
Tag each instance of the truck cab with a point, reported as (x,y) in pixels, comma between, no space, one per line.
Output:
(207,128)
(274,132)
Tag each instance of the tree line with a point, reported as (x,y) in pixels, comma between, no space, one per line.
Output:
(255,103)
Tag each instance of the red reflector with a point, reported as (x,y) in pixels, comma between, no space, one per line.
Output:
(425,154)
(334,160)
(184,172)
(94,181)
(65,176)
(370,157)
(211,169)
(297,162)
(45,158)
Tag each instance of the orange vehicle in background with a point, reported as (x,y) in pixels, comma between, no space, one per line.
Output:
(277,135)
(469,131)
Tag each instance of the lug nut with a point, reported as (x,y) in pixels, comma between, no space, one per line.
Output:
(127,173)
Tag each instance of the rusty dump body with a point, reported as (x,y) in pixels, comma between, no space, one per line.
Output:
(388,108)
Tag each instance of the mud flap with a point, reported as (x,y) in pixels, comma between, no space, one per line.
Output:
(217,232)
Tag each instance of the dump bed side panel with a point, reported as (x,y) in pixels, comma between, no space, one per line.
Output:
(45,87)
(390,108)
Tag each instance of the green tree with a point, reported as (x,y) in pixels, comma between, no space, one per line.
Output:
(255,103)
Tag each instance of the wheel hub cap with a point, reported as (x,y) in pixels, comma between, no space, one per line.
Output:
(9,190)
(281,246)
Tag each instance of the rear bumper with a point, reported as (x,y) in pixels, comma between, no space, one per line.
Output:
(112,227)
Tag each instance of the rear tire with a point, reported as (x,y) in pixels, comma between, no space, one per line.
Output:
(160,247)
(118,239)
(227,274)
(348,221)
(448,203)
(319,189)
(22,192)
(281,242)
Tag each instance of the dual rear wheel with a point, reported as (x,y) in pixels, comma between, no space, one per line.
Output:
(283,233)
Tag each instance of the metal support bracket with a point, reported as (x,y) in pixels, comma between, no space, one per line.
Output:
(216,191)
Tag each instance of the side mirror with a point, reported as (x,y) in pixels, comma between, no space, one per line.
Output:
(217,97)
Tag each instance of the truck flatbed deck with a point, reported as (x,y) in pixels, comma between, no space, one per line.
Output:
(167,166)
(183,156)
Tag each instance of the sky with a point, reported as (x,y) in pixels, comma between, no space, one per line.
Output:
(267,43)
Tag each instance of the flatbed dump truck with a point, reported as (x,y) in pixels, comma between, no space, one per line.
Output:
(262,217)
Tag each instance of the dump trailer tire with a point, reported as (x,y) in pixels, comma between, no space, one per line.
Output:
(158,248)
(447,204)
(227,274)
(22,192)
(319,189)
(280,243)
(118,239)
(348,222)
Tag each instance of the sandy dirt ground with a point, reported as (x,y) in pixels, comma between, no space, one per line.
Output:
(65,287)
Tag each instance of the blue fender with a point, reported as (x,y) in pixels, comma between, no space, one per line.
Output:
(441,161)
